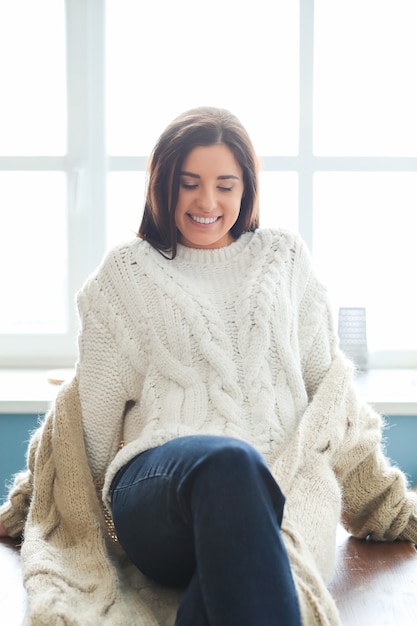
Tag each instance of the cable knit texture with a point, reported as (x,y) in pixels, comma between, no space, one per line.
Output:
(231,341)
(236,341)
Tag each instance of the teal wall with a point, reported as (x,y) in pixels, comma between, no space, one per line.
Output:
(15,429)
(400,437)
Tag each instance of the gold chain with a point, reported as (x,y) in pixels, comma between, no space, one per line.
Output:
(111,531)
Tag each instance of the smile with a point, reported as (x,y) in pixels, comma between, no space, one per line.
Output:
(204,220)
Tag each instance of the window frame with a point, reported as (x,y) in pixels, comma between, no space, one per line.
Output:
(84,165)
(87,166)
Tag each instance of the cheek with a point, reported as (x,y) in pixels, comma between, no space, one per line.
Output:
(239,198)
(238,203)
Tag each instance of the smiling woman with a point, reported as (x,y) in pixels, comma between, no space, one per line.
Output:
(210,197)
(203,183)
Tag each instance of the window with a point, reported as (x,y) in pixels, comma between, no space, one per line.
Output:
(329,100)
(33,187)
(365,166)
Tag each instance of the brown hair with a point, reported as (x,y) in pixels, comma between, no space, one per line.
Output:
(203,126)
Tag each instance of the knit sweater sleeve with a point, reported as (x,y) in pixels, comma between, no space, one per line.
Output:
(317,338)
(376,502)
(108,382)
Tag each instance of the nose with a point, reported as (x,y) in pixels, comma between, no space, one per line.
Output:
(207,201)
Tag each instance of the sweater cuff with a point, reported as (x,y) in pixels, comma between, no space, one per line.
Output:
(15,509)
(12,520)
(410,531)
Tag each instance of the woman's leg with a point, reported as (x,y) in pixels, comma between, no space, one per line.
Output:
(205,512)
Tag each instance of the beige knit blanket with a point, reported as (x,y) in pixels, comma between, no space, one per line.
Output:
(76,575)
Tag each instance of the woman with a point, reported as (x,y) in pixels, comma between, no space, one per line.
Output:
(218,414)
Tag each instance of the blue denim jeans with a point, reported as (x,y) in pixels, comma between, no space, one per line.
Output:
(204,513)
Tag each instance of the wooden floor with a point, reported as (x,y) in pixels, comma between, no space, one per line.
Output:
(374,583)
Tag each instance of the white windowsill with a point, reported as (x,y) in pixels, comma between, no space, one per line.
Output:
(391,392)
(28,390)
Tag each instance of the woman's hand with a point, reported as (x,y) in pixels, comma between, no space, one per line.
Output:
(3,531)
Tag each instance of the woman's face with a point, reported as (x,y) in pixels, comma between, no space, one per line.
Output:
(210,195)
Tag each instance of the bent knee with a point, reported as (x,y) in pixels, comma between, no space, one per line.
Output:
(231,455)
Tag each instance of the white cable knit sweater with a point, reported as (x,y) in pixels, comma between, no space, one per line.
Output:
(234,341)
(231,341)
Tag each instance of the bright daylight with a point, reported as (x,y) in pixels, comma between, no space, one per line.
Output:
(208,345)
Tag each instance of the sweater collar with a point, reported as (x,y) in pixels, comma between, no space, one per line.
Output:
(211,256)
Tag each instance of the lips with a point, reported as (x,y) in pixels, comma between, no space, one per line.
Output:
(204,220)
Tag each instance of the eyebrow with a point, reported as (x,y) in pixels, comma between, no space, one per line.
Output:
(223,177)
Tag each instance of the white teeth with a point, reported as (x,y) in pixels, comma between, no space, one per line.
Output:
(204,220)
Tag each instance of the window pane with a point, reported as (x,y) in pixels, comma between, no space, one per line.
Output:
(364,250)
(164,57)
(279,200)
(32,71)
(365,90)
(33,252)
(125,201)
